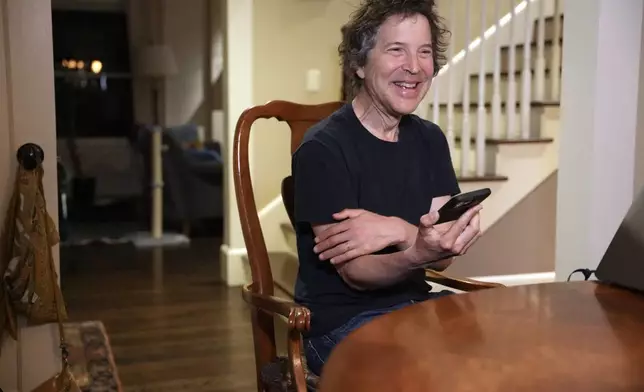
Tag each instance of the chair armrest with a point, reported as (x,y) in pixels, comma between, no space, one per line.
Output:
(299,317)
(462,284)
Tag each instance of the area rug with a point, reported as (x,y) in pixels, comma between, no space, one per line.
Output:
(91,358)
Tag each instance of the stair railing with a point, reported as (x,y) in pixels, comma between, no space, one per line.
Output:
(510,117)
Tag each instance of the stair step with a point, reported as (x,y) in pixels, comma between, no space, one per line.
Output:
(533,45)
(483,178)
(533,104)
(549,27)
(493,141)
(504,84)
(505,74)
(518,64)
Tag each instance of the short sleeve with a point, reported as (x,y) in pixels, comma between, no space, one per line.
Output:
(446,180)
(322,185)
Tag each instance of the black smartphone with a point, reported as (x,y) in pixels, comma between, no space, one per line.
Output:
(459,204)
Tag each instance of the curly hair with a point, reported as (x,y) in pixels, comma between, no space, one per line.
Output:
(359,35)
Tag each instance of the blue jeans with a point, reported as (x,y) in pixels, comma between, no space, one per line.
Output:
(318,348)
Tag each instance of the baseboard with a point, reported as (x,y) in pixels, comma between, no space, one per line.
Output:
(519,279)
(233,270)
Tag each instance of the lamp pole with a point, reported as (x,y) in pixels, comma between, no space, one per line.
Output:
(156,150)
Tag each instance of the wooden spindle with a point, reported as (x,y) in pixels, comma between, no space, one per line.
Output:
(496,95)
(482,112)
(526,75)
(511,102)
(465,132)
(555,64)
(436,100)
(450,83)
(540,65)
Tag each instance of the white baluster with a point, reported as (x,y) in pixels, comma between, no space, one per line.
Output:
(540,66)
(555,64)
(511,102)
(450,83)
(436,103)
(526,75)
(496,97)
(482,112)
(465,132)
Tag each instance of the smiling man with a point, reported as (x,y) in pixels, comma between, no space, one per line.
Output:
(369,179)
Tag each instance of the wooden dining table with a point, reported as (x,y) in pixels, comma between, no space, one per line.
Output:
(565,336)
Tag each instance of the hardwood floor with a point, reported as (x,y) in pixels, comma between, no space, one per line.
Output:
(172,324)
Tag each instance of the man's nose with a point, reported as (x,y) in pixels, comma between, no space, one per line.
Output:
(412,64)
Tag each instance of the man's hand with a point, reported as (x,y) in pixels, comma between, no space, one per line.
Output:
(435,242)
(358,233)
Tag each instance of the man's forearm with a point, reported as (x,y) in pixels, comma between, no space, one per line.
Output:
(375,271)
(408,234)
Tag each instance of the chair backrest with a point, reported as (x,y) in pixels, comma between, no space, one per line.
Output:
(288,198)
(299,118)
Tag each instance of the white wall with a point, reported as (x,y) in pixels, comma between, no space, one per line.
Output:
(27,115)
(599,127)
(187,27)
(238,96)
(186,31)
(639,143)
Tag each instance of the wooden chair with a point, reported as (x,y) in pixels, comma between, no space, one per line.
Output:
(279,373)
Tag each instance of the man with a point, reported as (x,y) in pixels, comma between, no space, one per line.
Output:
(370,178)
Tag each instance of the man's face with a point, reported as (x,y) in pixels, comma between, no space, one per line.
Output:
(400,67)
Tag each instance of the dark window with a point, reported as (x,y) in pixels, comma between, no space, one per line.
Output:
(90,105)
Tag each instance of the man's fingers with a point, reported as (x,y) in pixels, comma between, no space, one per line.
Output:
(336,251)
(462,222)
(331,231)
(469,244)
(348,256)
(331,242)
(464,239)
(347,213)
(449,240)
(429,219)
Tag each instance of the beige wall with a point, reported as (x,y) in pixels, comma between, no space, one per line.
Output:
(291,37)
(27,115)
(522,241)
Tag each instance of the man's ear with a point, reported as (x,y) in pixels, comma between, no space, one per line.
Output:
(360,72)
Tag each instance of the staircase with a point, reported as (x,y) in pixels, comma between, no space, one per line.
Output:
(498,104)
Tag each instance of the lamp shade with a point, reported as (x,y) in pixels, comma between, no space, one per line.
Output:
(157,61)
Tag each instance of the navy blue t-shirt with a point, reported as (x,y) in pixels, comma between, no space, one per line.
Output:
(340,164)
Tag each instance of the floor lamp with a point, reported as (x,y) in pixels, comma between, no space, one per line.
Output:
(157,62)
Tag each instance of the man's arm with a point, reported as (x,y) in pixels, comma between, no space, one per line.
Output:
(431,243)
(410,230)
(372,271)
(360,233)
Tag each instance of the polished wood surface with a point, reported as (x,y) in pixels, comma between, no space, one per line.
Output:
(172,323)
(579,336)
